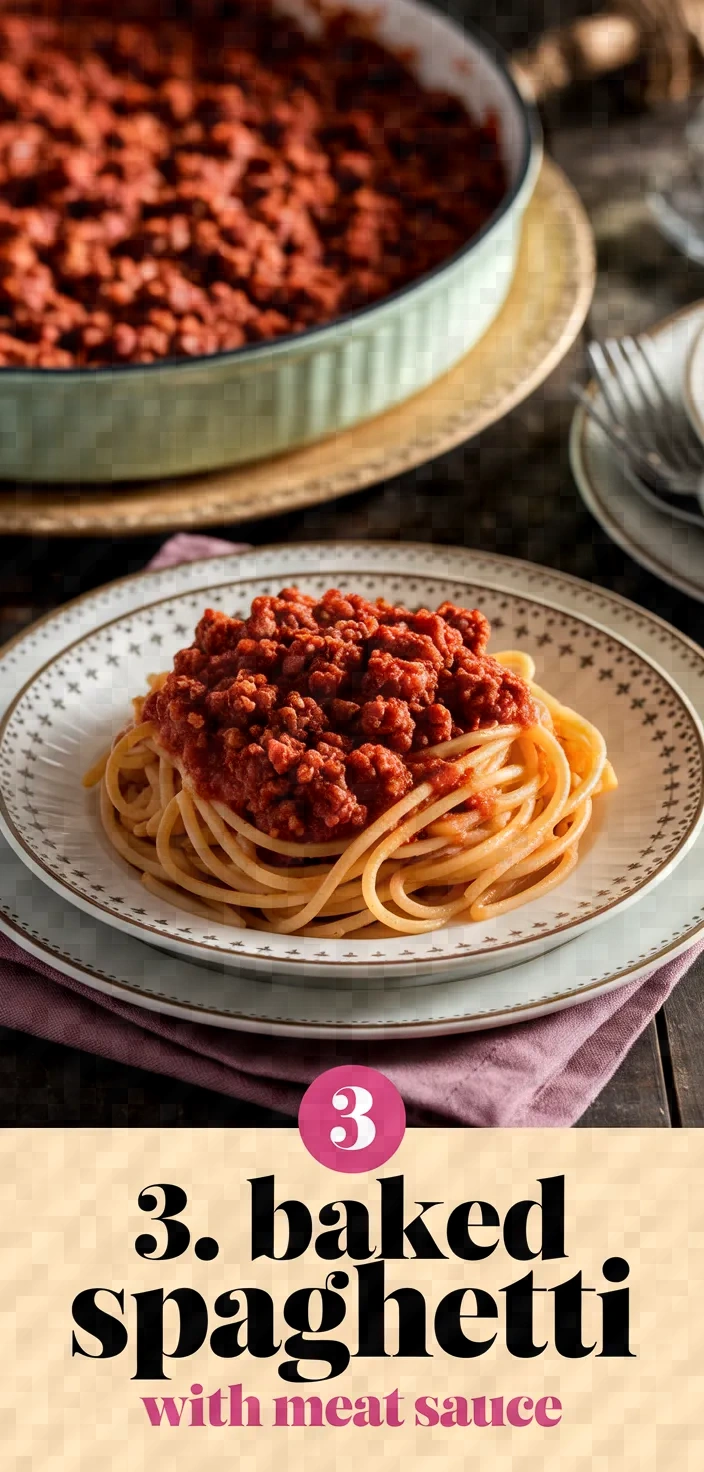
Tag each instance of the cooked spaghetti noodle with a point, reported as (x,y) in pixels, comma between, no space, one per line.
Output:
(499,829)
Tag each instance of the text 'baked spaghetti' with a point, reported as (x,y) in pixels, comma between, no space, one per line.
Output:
(337,767)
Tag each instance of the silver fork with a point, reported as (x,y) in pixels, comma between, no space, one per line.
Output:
(642,420)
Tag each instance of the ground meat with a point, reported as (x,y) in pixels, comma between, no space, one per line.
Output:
(206,176)
(472,626)
(412,681)
(389,720)
(336,727)
(433,725)
(478,691)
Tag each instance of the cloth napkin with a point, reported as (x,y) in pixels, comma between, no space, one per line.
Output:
(538,1073)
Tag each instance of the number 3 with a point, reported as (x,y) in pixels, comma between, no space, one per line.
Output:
(177,1233)
(366,1129)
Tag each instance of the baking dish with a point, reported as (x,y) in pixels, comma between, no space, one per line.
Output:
(182,416)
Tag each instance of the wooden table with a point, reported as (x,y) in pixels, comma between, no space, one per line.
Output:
(511,492)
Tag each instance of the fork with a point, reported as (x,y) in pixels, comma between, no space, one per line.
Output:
(642,420)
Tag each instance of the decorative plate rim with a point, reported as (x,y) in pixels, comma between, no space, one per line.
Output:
(498,560)
(357,963)
(276,1026)
(517,575)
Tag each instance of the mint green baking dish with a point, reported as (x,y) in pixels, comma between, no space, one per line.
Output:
(180,417)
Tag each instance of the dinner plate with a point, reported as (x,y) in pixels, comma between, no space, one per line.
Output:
(624,948)
(69,711)
(693,383)
(673,550)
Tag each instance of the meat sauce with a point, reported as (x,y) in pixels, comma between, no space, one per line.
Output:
(312,716)
(170,189)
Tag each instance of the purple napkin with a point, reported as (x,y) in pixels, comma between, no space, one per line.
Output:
(530,1074)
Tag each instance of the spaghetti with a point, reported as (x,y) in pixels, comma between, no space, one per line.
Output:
(491,819)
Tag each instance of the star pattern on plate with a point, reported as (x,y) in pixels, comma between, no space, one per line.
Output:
(578,647)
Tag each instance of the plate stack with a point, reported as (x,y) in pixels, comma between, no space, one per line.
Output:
(665,534)
(69,899)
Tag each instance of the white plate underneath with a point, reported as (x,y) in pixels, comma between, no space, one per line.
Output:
(114,963)
(672,550)
(693,381)
(623,948)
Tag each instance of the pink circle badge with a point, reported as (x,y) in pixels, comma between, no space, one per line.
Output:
(352,1119)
